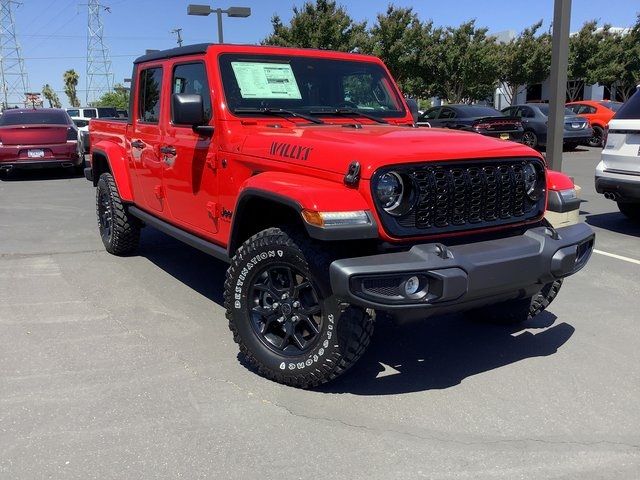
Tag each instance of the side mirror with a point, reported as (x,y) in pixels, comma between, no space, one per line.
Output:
(413,108)
(187,109)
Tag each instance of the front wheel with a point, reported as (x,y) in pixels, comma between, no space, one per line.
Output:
(120,231)
(283,316)
(530,139)
(518,311)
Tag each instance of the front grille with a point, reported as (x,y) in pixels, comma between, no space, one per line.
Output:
(465,195)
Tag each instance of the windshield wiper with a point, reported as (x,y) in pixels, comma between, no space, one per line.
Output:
(348,111)
(277,111)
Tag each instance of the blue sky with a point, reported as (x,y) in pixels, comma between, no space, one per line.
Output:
(52,34)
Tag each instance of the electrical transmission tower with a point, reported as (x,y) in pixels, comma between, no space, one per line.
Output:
(99,76)
(15,82)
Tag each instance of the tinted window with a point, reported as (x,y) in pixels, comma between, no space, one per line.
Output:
(630,110)
(509,111)
(90,113)
(447,113)
(544,108)
(149,95)
(106,112)
(526,112)
(476,111)
(430,114)
(73,113)
(192,78)
(615,106)
(80,123)
(34,117)
(308,85)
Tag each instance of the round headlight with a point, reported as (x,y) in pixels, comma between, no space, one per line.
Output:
(531,181)
(390,190)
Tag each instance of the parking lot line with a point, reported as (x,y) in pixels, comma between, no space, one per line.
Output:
(619,257)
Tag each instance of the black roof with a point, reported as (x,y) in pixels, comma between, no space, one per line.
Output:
(174,52)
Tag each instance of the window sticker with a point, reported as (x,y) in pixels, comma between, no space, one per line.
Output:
(266,80)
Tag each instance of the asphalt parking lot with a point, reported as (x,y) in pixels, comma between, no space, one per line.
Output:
(125,368)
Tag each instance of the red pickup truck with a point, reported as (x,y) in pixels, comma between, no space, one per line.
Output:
(304,171)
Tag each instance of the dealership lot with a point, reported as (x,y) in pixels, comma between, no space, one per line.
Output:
(125,368)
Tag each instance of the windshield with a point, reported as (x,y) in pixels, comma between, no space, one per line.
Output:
(305,84)
(34,117)
(544,108)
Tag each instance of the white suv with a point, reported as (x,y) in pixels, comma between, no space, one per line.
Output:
(618,173)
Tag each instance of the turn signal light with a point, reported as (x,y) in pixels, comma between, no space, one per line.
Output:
(333,219)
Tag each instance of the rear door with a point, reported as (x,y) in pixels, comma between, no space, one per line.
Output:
(146,135)
(189,159)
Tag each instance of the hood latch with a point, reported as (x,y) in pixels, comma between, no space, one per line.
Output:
(353,174)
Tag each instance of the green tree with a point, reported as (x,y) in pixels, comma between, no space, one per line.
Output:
(405,44)
(525,60)
(466,63)
(71,78)
(629,59)
(118,98)
(322,24)
(51,96)
(583,50)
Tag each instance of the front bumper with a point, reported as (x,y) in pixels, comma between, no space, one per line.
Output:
(466,276)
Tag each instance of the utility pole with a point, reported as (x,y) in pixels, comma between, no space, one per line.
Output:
(177,32)
(99,76)
(15,82)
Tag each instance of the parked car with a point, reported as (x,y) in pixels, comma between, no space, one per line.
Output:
(598,113)
(45,137)
(302,170)
(534,118)
(122,113)
(618,173)
(83,130)
(474,118)
(92,112)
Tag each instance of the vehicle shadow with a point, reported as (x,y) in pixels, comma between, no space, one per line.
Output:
(435,353)
(440,352)
(28,175)
(614,222)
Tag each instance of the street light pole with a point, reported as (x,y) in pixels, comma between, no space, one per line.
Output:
(559,64)
(205,10)
(220,35)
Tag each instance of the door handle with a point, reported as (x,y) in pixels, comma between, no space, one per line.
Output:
(137,144)
(167,150)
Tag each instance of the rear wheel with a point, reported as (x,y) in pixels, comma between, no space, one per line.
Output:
(518,311)
(596,138)
(530,139)
(630,210)
(282,314)
(120,231)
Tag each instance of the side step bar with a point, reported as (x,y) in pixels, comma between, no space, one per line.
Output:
(196,242)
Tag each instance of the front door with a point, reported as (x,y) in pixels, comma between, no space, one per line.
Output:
(190,175)
(147,136)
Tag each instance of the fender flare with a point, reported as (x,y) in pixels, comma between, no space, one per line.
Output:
(116,158)
(557,182)
(301,192)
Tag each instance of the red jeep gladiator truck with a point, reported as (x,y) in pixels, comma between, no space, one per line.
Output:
(304,171)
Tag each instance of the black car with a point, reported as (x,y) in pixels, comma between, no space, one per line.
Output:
(474,118)
(535,116)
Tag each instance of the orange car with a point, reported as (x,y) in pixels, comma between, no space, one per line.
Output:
(598,112)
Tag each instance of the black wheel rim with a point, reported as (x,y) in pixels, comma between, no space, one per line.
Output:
(285,310)
(105,214)
(528,139)
(596,139)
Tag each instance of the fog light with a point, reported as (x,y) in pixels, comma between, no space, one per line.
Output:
(411,286)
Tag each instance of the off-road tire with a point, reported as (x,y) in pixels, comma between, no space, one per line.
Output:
(123,236)
(514,312)
(344,333)
(630,210)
